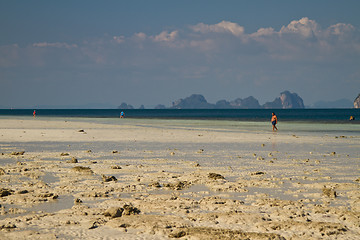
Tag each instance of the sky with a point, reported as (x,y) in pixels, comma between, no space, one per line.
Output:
(74,53)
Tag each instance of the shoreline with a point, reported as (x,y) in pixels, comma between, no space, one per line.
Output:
(152,180)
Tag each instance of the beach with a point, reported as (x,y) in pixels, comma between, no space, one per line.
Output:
(79,178)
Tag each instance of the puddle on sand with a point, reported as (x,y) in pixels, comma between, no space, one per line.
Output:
(199,191)
(6,161)
(61,203)
(50,178)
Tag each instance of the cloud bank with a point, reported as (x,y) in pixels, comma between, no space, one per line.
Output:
(219,59)
(299,36)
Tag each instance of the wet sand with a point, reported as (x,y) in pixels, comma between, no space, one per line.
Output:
(145,179)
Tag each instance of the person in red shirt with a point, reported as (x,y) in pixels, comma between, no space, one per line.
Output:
(34,113)
(274,121)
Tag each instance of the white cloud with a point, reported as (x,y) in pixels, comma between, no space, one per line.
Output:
(300,31)
(222,27)
(298,38)
(119,39)
(166,36)
(306,39)
(262,32)
(304,27)
(340,29)
(55,45)
(140,36)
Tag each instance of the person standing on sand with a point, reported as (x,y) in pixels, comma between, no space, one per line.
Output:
(122,114)
(34,113)
(274,121)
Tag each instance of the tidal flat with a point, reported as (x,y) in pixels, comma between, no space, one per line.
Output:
(169,179)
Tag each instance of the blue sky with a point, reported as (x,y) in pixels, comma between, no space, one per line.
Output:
(151,52)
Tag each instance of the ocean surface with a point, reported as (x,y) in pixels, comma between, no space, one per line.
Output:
(258,115)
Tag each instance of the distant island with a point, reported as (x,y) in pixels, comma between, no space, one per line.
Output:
(357,102)
(286,100)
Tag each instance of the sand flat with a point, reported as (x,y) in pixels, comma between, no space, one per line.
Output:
(165,179)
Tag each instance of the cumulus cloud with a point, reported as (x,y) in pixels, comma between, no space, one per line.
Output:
(119,39)
(298,39)
(221,27)
(140,36)
(166,36)
(263,32)
(342,33)
(55,45)
(304,27)
(341,29)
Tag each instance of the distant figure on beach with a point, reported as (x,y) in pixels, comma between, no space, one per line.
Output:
(34,113)
(274,121)
(122,114)
(352,118)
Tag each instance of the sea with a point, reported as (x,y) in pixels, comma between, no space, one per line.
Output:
(297,115)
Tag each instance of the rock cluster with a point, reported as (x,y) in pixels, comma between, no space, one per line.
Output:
(215,176)
(127,209)
(82,169)
(17,153)
(108,179)
(5,192)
